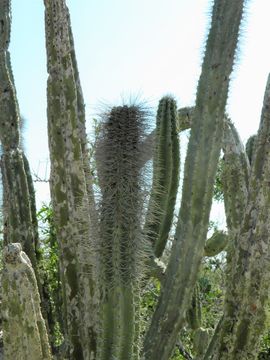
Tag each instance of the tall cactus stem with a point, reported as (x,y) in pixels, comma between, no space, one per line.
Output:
(247,291)
(165,176)
(200,169)
(121,239)
(72,208)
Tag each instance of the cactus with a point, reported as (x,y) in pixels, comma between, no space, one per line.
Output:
(70,190)
(247,290)
(108,249)
(20,222)
(121,239)
(200,168)
(216,243)
(194,313)
(15,182)
(200,341)
(165,176)
(250,147)
(25,335)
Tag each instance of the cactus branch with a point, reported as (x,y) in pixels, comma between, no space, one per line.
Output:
(165,176)
(247,292)
(200,168)
(121,247)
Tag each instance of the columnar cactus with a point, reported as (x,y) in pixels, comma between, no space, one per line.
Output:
(70,190)
(200,168)
(247,290)
(165,176)
(108,248)
(121,240)
(25,335)
(18,215)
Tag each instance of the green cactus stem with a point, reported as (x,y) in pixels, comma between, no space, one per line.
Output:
(247,292)
(24,329)
(19,222)
(185,116)
(165,176)
(121,240)
(216,243)
(200,341)
(200,169)
(69,187)
(18,214)
(250,147)
(194,313)
(235,181)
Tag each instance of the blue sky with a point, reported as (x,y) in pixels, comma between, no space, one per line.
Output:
(131,47)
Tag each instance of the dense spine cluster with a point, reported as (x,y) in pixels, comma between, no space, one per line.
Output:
(121,238)
(104,250)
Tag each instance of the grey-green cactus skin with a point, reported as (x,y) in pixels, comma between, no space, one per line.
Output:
(216,243)
(250,145)
(235,180)
(247,291)
(24,329)
(121,239)
(69,188)
(200,168)
(165,176)
(194,313)
(20,220)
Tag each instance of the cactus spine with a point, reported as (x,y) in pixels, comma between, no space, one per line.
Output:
(25,335)
(165,176)
(121,239)
(200,168)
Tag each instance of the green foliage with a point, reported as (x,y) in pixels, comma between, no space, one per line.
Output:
(49,265)
(212,285)
(218,187)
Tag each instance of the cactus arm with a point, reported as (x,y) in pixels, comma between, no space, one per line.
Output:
(184,119)
(68,184)
(194,315)
(121,239)
(235,180)
(200,168)
(19,217)
(165,176)
(82,125)
(32,200)
(25,335)
(246,295)
(216,243)
(9,115)
(235,177)
(250,147)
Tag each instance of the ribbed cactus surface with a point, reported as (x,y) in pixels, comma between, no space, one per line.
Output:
(70,189)
(121,239)
(200,169)
(165,176)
